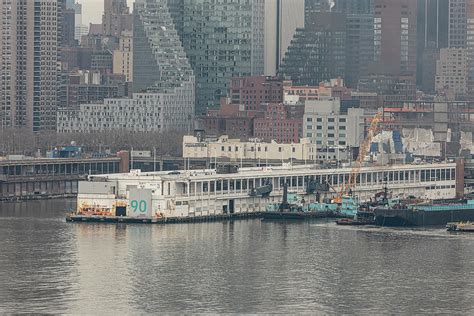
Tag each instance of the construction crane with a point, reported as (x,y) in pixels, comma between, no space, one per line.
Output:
(363,150)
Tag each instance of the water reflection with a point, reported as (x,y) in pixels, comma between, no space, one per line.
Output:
(253,266)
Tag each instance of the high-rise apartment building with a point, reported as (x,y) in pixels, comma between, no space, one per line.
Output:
(222,39)
(354,6)
(359,47)
(29,46)
(160,63)
(163,79)
(432,35)
(395,37)
(451,71)
(313,6)
(116,18)
(327,124)
(432,23)
(470,46)
(282,18)
(317,52)
(359,37)
(68,28)
(457,23)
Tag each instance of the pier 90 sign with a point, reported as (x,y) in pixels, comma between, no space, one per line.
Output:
(139,203)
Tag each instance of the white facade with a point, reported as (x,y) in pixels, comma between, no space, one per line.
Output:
(451,71)
(145,112)
(326,127)
(254,149)
(234,149)
(205,192)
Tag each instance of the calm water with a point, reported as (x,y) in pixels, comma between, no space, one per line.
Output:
(48,265)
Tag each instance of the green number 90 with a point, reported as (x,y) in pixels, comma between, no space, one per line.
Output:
(139,206)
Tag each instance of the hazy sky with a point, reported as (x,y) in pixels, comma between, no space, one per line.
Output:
(92,10)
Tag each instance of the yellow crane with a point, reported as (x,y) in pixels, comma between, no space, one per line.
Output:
(363,150)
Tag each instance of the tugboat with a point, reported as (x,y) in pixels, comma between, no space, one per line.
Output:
(291,208)
(363,217)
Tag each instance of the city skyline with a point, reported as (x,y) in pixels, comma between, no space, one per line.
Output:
(92,10)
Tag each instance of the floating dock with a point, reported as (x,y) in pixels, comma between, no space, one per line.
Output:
(158,220)
(200,219)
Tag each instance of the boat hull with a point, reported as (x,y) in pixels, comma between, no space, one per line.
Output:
(352,222)
(407,217)
(299,215)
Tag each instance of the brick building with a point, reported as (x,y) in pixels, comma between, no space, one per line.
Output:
(253,91)
(280,122)
(230,119)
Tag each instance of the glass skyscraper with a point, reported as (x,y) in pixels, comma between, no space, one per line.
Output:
(317,52)
(222,39)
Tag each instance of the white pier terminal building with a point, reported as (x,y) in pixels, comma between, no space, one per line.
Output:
(207,192)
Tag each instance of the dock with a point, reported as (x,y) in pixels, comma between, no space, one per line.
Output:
(160,220)
(201,219)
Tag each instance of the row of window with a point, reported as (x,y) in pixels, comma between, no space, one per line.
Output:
(293,182)
(329,119)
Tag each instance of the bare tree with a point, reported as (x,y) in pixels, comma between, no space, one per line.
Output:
(23,141)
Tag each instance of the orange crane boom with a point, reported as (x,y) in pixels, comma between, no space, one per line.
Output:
(363,150)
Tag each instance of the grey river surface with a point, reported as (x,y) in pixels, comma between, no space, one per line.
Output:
(252,266)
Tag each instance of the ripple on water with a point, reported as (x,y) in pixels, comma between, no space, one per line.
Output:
(48,265)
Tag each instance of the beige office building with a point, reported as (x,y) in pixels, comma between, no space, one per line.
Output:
(29,42)
(451,71)
(123,57)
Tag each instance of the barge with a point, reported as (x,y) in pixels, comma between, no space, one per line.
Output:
(426,214)
(160,196)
